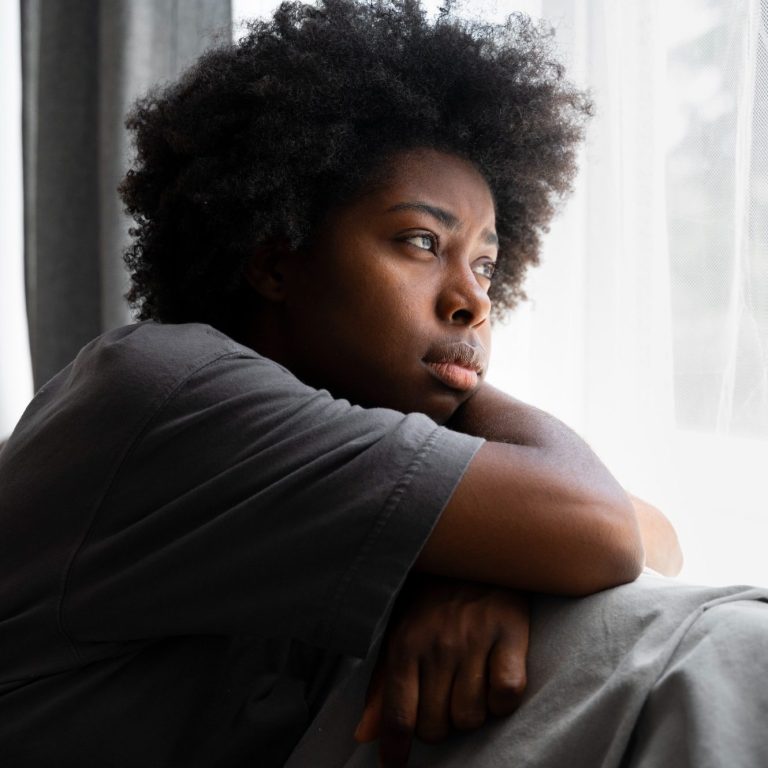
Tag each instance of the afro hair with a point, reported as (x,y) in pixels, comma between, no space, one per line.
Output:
(254,143)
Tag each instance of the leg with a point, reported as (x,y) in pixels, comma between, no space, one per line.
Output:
(710,705)
(592,663)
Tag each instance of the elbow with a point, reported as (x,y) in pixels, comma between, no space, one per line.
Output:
(618,555)
(627,539)
(627,558)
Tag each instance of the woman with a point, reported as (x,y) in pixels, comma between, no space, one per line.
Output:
(208,514)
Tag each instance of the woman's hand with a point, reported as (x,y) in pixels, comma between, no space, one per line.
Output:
(662,547)
(453,652)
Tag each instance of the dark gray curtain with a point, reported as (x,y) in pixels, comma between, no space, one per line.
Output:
(83,63)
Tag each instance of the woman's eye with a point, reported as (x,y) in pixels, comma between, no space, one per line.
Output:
(485,269)
(425,242)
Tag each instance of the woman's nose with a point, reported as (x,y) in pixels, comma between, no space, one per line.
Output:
(463,300)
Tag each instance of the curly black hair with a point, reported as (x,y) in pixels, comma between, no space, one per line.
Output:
(260,138)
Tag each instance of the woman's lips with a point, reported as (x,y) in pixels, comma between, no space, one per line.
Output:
(453,375)
(457,364)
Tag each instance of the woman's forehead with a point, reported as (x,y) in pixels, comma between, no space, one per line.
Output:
(428,179)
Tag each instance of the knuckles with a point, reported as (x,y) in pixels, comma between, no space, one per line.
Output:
(511,684)
(440,637)
(406,647)
(505,695)
(446,647)
(397,723)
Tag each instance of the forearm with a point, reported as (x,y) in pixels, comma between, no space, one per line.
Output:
(535,510)
(498,417)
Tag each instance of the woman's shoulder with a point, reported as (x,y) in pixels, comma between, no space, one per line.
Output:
(163,345)
(132,370)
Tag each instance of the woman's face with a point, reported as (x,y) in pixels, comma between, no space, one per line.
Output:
(389,306)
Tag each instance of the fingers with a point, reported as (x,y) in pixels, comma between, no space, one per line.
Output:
(451,657)
(368,727)
(415,696)
(400,708)
(507,675)
(468,699)
(434,715)
(490,682)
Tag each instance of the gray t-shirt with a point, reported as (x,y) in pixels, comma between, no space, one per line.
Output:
(190,541)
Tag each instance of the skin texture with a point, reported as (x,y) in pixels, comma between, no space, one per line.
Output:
(454,654)
(389,280)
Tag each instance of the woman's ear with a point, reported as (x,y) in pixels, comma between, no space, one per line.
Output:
(264,271)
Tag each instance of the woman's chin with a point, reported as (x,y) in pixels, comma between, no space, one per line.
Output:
(441,409)
(437,402)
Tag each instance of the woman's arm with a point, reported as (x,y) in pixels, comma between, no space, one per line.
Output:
(454,653)
(500,417)
(536,509)
(445,625)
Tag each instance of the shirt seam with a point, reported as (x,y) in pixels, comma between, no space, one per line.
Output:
(391,504)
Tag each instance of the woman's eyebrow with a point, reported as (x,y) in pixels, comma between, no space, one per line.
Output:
(446,218)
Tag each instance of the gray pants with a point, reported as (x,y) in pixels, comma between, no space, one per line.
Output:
(655,674)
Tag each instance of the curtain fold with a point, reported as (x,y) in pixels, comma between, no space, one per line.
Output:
(647,328)
(83,63)
(15,373)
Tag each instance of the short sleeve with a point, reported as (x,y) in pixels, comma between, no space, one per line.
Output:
(253,504)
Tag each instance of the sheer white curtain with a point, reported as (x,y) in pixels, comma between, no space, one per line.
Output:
(647,328)
(15,369)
